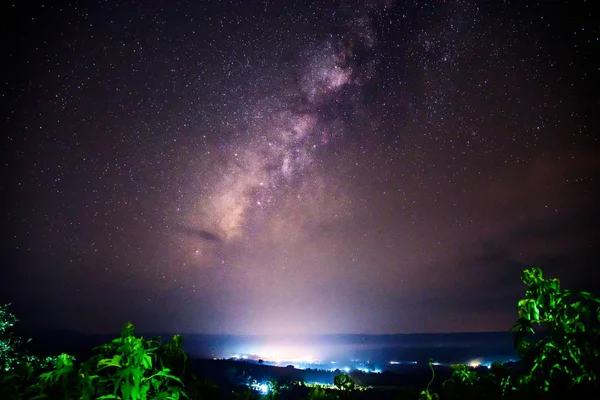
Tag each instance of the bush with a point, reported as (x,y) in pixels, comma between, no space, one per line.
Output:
(568,352)
(13,352)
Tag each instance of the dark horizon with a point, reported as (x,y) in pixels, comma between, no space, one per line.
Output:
(313,351)
(294,167)
(25,330)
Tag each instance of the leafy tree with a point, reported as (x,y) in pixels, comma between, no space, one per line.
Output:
(464,375)
(15,383)
(461,383)
(469,382)
(344,382)
(60,376)
(13,351)
(18,368)
(9,342)
(568,353)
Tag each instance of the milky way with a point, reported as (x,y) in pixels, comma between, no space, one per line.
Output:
(296,167)
(273,155)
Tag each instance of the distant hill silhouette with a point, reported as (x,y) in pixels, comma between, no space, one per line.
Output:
(48,342)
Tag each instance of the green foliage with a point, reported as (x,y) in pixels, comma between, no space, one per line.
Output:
(274,390)
(135,374)
(127,368)
(464,375)
(569,350)
(564,359)
(502,377)
(469,382)
(64,366)
(426,394)
(9,342)
(461,381)
(12,347)
(15,383)
(18,368)
(344,382)
(320,393)
(173,356)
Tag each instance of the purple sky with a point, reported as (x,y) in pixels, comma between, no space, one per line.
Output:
(278,167)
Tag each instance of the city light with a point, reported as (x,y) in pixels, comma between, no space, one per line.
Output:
(262,388)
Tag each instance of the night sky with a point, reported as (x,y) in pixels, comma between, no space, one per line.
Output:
(294,166)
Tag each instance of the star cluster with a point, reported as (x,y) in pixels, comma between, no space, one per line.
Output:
(295,167)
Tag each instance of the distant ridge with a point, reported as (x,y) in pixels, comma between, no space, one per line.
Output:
(460,346)
(43,331)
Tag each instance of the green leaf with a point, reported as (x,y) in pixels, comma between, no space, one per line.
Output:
(110,362)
